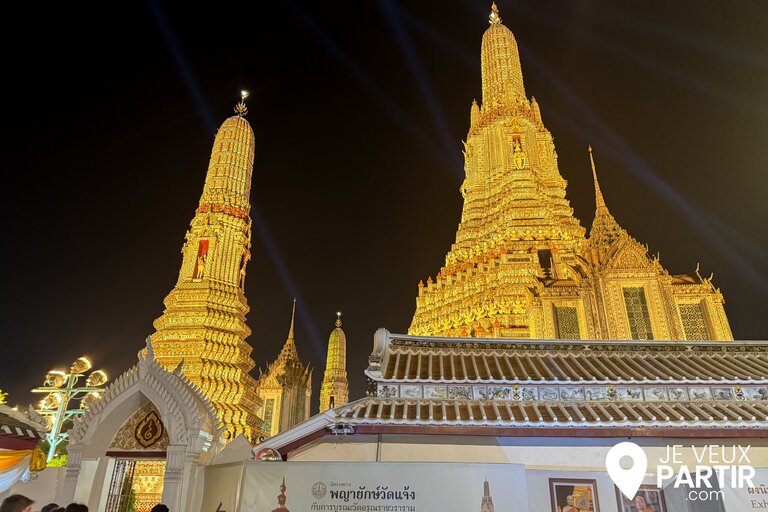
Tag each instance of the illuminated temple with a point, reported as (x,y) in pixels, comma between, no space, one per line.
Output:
(203,327)
(521,266)
(537,346)
(534,349)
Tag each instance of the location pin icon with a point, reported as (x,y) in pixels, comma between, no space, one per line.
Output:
(627,480)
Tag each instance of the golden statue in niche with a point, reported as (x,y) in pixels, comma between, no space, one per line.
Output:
(200,270)
(518,156)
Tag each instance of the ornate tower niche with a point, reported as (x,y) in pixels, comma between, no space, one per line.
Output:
(203,324)
(521,266)
(335,389)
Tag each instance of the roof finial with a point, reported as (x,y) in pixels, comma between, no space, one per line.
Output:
(338,319)
(240,109)
(293,315)
(289,351)
(494,18)
(599,201)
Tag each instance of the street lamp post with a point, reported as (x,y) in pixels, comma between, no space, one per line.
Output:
(61,388)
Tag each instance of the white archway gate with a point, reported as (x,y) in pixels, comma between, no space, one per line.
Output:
(191,436)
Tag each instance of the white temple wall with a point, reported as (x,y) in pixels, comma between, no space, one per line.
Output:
(42,489)
(88,468)
(551,453)
(341,448)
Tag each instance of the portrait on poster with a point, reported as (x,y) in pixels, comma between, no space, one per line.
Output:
(573,495)
(648,499)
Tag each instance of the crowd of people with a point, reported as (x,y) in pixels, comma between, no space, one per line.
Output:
(20,503)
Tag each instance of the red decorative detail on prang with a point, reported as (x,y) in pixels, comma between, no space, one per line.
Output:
(222,208)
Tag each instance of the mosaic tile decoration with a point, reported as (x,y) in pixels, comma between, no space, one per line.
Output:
(574,393)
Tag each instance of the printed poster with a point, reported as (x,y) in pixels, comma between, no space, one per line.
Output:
(376,486)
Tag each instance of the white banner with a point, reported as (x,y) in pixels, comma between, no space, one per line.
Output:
(222,487)
(748,498)
(368,486)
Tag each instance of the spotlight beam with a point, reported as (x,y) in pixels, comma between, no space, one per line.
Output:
(392,14)
(388,105)
(657,68)
(623,154)
(192,85)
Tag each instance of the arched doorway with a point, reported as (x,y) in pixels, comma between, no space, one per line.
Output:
(139,450)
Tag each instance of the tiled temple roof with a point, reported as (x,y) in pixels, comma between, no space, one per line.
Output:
(442,360)
(381,415)
(15,424)
(505,387)
(505,413)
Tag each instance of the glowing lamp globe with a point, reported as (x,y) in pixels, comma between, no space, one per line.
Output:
(55,378)
(51,401)
(96,379)
(81,365)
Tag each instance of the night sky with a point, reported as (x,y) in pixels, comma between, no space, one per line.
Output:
(359,109)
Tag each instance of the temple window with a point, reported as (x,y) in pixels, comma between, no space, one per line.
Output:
(694,322)
(269,409)
(567,323)
(637,313)
(545,261)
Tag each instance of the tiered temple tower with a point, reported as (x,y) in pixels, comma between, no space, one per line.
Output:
(335,389)
(285,388)
(203,325)
(486,503)
(521,266)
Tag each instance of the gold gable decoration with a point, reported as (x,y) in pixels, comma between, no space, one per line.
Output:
(142,431)
(149,430)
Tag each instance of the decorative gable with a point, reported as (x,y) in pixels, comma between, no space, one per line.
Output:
(629,256)
(142,431)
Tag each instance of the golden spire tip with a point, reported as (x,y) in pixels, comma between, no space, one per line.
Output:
(338,319)
(599,201)
(240,109)
(293,315)
(494,18)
